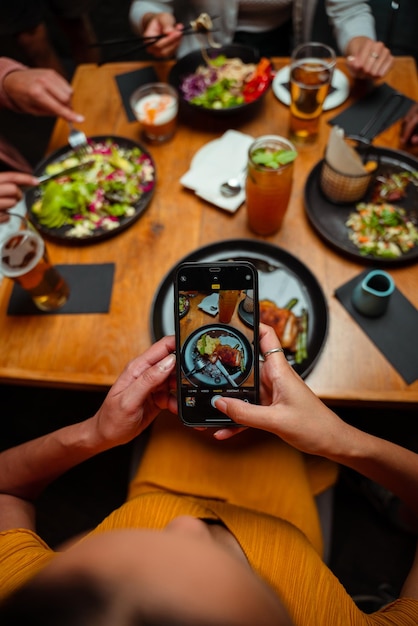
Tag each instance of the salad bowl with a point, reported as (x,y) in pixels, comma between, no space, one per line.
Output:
(183,77)
(101,199)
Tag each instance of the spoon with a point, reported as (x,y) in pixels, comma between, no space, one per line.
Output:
(233,186)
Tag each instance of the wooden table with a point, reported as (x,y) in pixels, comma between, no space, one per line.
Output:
(89,351)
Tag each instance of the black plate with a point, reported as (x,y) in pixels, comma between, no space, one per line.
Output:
(58,234)
(209,375)
(329,219)
(281,277)
(189,63)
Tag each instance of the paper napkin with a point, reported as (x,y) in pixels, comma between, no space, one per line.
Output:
(215,163)
(210,304)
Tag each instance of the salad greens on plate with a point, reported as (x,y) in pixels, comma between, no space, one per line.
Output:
(99,196)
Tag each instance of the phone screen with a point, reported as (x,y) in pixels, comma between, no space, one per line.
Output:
(216,318)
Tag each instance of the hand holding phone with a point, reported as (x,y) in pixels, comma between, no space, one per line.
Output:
(216,322)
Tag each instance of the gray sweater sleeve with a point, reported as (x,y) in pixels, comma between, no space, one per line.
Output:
(350,18)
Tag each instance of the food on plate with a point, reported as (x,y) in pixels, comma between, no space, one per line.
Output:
(184,305)
(214,349)
(227,82)
(392,187)
(289,328)
(382,230)
(98,197)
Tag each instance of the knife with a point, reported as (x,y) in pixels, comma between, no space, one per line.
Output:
(70,170)
(228,377)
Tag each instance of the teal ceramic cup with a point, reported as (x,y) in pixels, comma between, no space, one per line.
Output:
(372,294)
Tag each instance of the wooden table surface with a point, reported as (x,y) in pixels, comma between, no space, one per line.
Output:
(89,351)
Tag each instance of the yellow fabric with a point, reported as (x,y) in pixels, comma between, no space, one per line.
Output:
(261,489)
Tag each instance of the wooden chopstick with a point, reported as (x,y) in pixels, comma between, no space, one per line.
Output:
(143,42)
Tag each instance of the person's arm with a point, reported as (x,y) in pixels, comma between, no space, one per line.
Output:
(409,133)
(10,190)
(354,29)
(39,92)
(130,406)
(6,66)
(295,414)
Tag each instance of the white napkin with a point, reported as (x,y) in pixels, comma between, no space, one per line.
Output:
(341,156)
(215,163)
(210,304)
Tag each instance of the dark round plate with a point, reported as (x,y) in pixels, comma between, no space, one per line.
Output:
(58,235)
(210,375)
(189,63)
(281,277)
(186,306)
(329,219)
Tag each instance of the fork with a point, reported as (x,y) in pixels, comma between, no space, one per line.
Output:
(78,141)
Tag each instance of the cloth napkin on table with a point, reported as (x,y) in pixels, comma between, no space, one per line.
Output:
(380,103)
(215,163)
(394,333)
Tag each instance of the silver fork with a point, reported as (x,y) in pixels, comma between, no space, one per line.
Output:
(78,141)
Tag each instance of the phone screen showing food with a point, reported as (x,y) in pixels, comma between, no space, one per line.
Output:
(216,315)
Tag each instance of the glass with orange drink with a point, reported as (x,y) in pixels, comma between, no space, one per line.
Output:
(269,183)
(311,71)
(155,106)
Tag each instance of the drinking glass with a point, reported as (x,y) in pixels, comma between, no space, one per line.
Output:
(24,259)
(155,106)
(268,188)
(228,299)
(311,69)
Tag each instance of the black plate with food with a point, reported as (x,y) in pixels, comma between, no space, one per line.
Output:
(283,281)
(225,345)
(186,67)
(184,305)
(329,219)
(114,191)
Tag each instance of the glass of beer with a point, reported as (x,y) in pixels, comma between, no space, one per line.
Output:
(311,69)
(269,183)
(228,299)
(23,258)
(155,106)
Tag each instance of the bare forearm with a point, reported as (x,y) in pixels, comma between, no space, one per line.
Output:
(388,464)
(27,469)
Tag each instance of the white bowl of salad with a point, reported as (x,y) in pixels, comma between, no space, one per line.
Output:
(222,81)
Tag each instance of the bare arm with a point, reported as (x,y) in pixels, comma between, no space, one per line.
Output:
(130,406)
(295,414)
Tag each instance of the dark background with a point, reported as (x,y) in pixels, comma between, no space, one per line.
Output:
(369,553)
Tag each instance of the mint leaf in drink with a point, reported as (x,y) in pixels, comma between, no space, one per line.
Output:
(273,159)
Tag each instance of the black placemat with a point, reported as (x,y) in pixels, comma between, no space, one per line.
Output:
(394,333)
(128,82)
(380,102)
(90,291)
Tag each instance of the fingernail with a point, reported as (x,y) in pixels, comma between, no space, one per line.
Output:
(167,363)
(220,404)
(79,118)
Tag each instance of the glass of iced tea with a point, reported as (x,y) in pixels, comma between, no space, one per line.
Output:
(155,106)
(23,258)
(311,69)
(269,183)
(228,299)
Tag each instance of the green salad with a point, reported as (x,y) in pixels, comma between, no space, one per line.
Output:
(99,196)
(382,230)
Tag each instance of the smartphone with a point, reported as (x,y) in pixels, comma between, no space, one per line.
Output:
(217,344)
